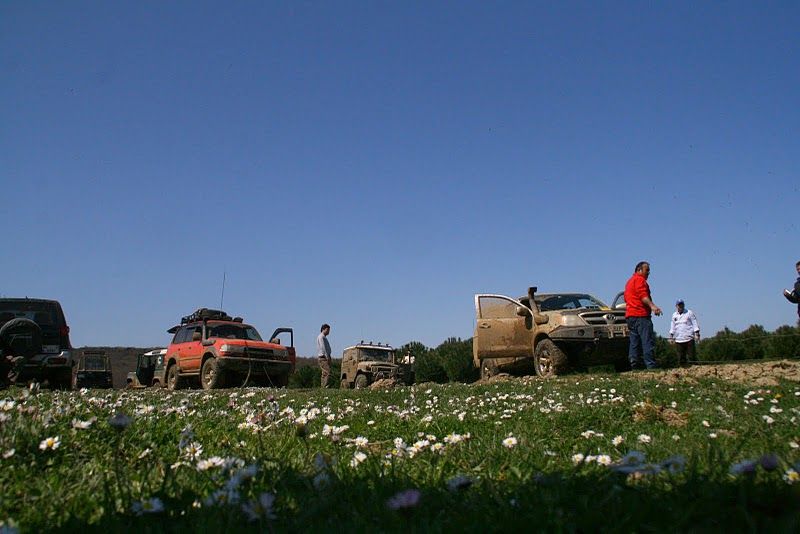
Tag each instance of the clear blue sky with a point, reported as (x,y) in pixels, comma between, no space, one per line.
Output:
(375,164)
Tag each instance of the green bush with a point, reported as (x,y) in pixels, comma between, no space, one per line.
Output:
(784,343)
(455,356)
(427,365)
(309,376)
(665,354)
(725,345)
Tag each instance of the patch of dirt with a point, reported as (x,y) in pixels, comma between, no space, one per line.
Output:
(647,411)
(500,377)
(384,383)
(756,373)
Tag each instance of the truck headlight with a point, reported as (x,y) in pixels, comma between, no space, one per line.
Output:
(232,348)
(572,320)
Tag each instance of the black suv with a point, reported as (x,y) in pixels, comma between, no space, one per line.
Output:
(34,342)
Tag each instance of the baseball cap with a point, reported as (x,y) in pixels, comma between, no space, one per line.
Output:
(679,301)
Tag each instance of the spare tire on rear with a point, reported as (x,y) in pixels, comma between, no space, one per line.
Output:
(21,337)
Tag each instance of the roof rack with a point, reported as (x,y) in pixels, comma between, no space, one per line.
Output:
(204,314)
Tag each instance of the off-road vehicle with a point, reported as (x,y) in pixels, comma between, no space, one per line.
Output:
(548,333)
(34,342)
(150,370)
(365,363)
(221,350)
(92,371)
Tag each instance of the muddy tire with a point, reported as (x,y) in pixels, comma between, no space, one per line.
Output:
(361,381)
(549,360)
(173,378)
(211,376)
(488,368)
(21,337)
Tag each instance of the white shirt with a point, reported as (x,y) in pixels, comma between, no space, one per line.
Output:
(683,326)
(323,347)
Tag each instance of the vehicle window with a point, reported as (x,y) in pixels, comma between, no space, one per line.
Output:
(234,331)
(45,314)
(570,301)
(377,355)
(497,308)
(94,363)
(184,334)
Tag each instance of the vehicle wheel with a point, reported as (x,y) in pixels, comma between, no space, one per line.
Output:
(344,384)
(488,368)
(361,381)
(173,380)
(21,337)
(211,376)
(549,359)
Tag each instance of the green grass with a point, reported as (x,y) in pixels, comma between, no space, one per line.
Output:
(275,438)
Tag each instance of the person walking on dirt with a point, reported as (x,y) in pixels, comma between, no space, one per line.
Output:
(324,354)
(684,332)
(639,306)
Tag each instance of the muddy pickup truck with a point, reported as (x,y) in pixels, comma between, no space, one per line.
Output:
(549,334)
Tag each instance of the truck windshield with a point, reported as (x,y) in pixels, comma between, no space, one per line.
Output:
(234,331)
(377,355)
(568,301)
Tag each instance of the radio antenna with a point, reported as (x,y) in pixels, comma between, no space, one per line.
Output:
(222,297)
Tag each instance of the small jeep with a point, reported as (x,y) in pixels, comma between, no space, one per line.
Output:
(548,334)
(365,363)
(150,370)
(221,350)
(93,370)
(34,342)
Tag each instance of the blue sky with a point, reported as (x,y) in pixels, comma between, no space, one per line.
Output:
(375,164)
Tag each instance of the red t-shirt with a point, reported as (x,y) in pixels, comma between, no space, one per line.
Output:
(635,290)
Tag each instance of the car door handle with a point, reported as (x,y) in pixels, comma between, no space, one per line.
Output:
(484,325)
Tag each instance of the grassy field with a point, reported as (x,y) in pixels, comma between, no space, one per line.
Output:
(581,453)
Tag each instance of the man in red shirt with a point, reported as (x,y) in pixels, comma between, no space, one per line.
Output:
(638,307)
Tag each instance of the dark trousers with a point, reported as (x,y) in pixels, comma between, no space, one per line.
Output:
(685,351)
(642,343)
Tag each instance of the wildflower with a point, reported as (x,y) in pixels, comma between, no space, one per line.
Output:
(83,425)
(8,454)
(361,442)
(644,438)
(713,435)
(577,458)
(50,443)
(791,476)
(210,463)
(370,422)
(145,453)
(261,508)
(193,450)
(769,420)
(745,467)
(676,437)
(152,505)
(591,433)
(706,423)
(357,459)
(794,444)
(617,441)
(510,442)
(604,459)
(459,482)
(120,421)
(404,500)
(452,439)
(222,497)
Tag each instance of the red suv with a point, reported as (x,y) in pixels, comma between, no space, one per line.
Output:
(222,351)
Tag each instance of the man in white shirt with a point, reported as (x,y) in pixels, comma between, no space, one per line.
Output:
(684,332)
(324,354)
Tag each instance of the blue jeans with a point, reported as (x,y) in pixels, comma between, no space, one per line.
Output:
(642,342)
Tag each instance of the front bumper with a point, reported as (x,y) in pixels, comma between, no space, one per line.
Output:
(590,332)
(254,366)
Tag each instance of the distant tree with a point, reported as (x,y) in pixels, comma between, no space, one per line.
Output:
(724,345)
(784,343)
(455,356)
(754,341)
(427,365)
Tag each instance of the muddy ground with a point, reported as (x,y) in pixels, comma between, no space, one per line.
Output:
(754,373)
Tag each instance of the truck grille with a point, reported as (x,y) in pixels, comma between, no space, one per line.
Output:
(603,318)
(266,354)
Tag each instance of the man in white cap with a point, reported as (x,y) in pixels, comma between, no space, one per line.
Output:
(684,332)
